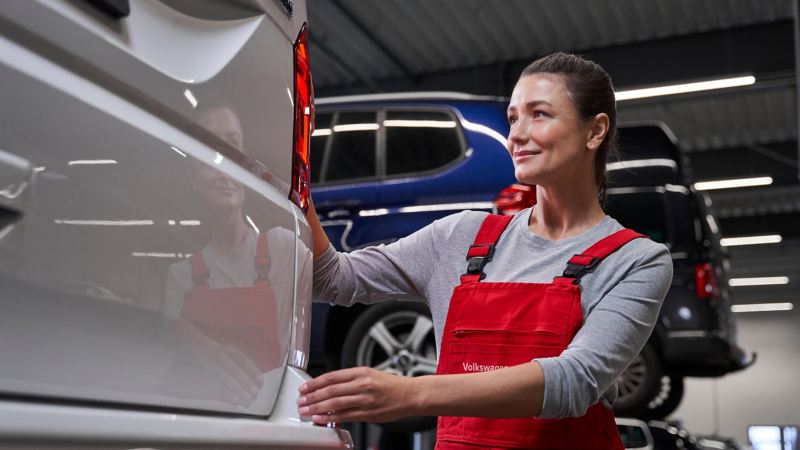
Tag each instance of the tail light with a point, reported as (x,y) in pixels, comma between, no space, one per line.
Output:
(303,121)
(515,198)
(706,283)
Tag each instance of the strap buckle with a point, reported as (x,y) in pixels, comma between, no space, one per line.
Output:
(576,271)
(475,264)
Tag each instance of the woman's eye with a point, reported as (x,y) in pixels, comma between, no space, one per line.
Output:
(538,114)
(512,119)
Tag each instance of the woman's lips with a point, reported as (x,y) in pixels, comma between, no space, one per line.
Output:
(519,154)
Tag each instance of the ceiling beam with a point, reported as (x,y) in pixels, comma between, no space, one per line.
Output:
(374,39)
(763,48)
(342,62)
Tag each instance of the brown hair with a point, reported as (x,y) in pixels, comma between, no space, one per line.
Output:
(589,87)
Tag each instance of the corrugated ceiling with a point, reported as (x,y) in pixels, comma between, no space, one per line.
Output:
(354,40)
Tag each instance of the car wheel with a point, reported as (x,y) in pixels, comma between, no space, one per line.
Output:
(667,400)
(396,337)
(639,384)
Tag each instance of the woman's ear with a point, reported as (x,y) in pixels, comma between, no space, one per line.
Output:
(598,129)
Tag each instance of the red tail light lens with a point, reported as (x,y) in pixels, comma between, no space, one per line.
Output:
(303,121)
(515,198)
(706,283)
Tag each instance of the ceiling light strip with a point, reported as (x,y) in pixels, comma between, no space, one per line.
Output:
(732,183)
(751,240)
(762,307)
(759,281)
(684,88)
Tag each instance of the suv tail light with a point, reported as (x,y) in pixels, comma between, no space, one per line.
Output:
(706,283)
(515,198)
(303,121)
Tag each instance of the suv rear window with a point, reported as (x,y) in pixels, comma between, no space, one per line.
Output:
(628,206)
(419,141)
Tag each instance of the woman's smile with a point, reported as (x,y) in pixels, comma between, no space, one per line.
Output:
(521,155)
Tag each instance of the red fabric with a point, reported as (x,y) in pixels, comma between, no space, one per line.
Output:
(244,317)
(610,244)
(494,325)
(491,229)
(262,251)
(581,260)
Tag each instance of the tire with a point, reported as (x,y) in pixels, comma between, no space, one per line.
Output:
(396,337)
(639,384)
(667,400)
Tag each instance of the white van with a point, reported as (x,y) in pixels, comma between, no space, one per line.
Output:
(155,260)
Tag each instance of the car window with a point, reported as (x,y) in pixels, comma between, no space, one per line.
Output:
(319,139)
(352,152)
(418,141)
(641,211)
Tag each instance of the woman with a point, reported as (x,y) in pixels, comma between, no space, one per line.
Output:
(551,306)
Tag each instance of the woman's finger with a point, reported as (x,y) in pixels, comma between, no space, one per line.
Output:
(335,377)
(336,404)
(353,387)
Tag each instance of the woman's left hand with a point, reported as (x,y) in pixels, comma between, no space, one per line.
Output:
(357,394)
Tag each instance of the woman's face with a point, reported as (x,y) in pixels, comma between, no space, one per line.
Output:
(220,192)
(548,139)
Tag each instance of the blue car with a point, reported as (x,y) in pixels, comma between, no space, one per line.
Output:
(384,166)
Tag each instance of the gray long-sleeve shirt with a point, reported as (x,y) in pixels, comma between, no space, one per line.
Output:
(620,299)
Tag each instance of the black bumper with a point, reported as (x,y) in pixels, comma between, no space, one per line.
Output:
(702,354)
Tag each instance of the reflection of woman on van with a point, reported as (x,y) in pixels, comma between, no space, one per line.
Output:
(535,314)
(225,290)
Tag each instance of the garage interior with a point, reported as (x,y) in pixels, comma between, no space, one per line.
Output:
(745,132)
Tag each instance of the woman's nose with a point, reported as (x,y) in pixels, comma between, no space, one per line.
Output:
(517,134)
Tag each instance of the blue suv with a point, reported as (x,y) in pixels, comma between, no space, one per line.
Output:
(384,166)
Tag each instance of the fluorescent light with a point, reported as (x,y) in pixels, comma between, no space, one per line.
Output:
(618,165)
(483,129)
(218,158)
(712,224)
(447,207)
(91,162)
(157,255)
(373,212)
(104,222)
(420,123)
(733,183)
(322,132)
(758,281)
(677,188)
(356,127)
(178,151)
(190,223)
(761,307)
(252,224)
(751,240)
(684,88)
(189,96)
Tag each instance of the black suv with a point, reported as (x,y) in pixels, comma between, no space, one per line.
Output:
(650,191)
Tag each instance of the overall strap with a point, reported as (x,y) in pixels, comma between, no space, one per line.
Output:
(580,265)
(482,249)
(199,269)
(263,260)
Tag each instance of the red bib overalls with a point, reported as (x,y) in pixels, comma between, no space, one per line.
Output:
(499,324)
(240,316)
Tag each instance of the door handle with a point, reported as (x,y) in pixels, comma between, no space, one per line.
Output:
(16,176)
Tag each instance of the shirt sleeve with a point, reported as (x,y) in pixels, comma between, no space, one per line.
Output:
(397,271)
(613,333)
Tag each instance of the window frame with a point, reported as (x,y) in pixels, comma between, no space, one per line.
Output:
(381,141)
